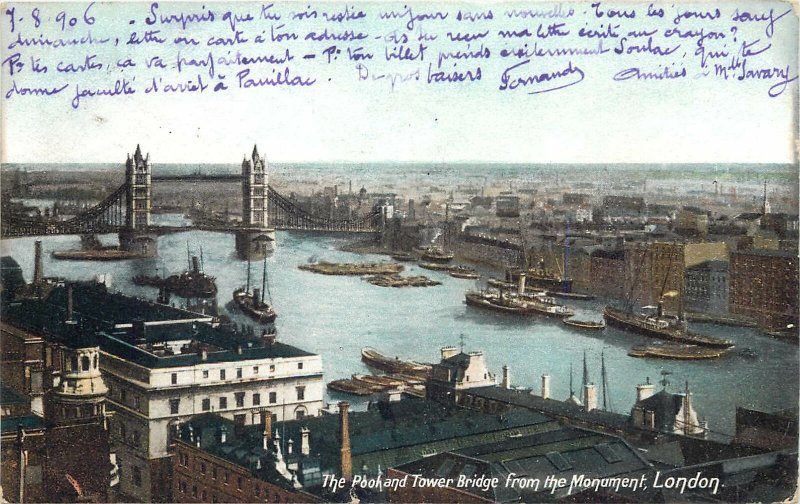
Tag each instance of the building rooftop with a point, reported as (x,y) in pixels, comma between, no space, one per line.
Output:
(148,334)
(713,265)
(390,433)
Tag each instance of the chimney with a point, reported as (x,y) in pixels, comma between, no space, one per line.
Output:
(589,397)
(645,390)
(521,285)
(289,446)
(38,269)
(223,435)
(203,354)
(346,468)
(69,302)
(545,386)
(448,352)
(266,436)
(305,449)
(195,265)
(139,330)
(506,378)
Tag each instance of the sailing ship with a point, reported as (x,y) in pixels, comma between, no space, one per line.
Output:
(659,325)
(252,303)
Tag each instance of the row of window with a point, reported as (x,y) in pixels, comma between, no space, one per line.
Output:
(239,400)
(223,373)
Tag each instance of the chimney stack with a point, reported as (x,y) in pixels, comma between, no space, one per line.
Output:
(195,265)
(589,397)
(346,467)
(305,449)
(289,446)
(38,269)
(223,435)
(266,436)
(521,285)
(506,378)
(545,386)
(69,302)
(645,390)
(448,352)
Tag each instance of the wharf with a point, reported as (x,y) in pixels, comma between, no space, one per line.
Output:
(104,254)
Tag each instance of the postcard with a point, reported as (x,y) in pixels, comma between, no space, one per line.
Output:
(387,251)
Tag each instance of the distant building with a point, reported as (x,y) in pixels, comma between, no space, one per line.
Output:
(583,214)
(691,222)
(764,286)
(608,268)
(507,206)
(623,206)
(576,198)
(707,287)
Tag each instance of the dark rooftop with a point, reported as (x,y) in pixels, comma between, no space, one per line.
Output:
(119,325)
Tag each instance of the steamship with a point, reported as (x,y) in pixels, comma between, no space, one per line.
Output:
(661,327)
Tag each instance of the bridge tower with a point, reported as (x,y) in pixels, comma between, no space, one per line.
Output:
(255,237)
(138,180)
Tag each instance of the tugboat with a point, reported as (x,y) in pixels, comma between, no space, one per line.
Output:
(253,304)
(189,284)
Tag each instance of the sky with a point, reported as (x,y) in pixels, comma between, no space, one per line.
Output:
(341,118)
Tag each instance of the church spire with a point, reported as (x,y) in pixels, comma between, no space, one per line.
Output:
(255,152)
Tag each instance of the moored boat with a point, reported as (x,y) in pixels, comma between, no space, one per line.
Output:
(660,327)
(437,255)
(516,305)
(375,359)
(402,256)
(676,351)
(253,304)
(593,325)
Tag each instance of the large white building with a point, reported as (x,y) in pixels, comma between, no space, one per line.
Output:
(164,365)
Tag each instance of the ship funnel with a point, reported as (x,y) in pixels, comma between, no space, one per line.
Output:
(195,265)
(521,285)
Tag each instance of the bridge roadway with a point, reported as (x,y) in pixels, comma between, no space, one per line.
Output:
(197,177)
(160,230)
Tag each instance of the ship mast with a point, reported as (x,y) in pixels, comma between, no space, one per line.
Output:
(605,380)
(188,257)
(585,372)
(571,388)
(264,279)
(247,289)
(202,266)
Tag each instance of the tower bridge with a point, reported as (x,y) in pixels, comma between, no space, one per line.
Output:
(127,211)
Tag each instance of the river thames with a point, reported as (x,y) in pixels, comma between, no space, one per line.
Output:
(337,316)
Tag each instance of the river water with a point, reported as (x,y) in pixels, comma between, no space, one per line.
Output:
(337,316)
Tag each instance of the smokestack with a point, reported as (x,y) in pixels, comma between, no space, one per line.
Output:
(38,269)
(305,449)
(346,468)
(650,419)
(545,386)
(521,285)
(589,397)
(266,436)
(69,302)
(506,378)
(256,297)
(645,390)
(195,265)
